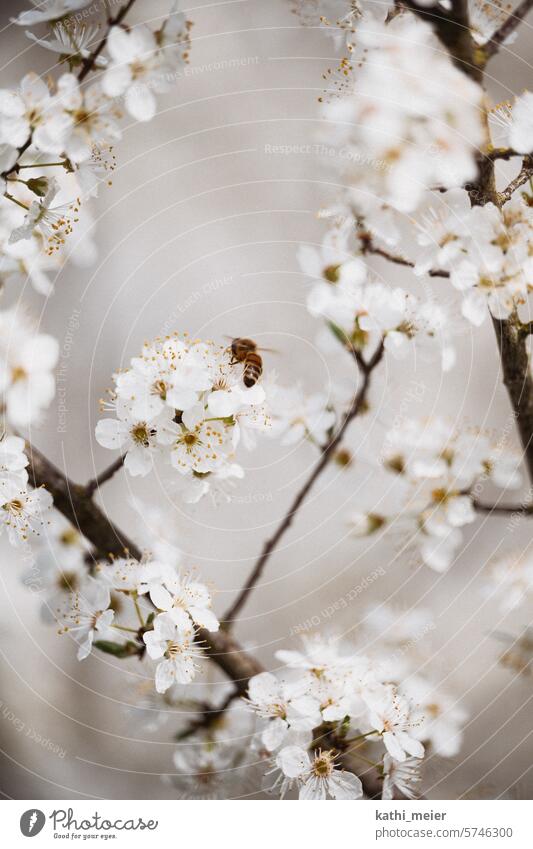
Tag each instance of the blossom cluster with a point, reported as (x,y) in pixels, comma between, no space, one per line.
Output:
(362,311)
(27,360)
(393,146)
(184,400)
(486,249)
(440,469)
(179,606)
(75,125)
(21,509)
(330,695)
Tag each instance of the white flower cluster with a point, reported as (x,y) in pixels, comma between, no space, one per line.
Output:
(75,125)
(184,400)
(27,360)
(179,606)
(511,579)
(330,692)
(439,467)
(402,130)
(361,311)
(486,250)
(21,509)
(61,564)
(516,121)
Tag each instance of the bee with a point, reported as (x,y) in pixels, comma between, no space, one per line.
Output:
(245,351)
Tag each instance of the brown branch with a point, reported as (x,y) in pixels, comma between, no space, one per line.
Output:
(503,509)
(210,716)
(87,66)
(526,172)
(502,153)
(507,28)
(327,454)
(453,30)
(88,63)
(517,379)
(509,334)
(368,247)
(108,541)
(103,477)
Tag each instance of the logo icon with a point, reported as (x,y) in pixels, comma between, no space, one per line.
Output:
(32,822)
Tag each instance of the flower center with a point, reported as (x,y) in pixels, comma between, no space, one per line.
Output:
(18,373)
(16,506)
(323,765)
(141,435)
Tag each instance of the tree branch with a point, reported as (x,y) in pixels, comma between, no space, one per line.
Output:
(103,477)
(507,28)
(368,247)
(109,541)
(509,334)
(517,379)
(87,66)
(504,509)
(88,63)
(526,172)
(327,453)
(210,716)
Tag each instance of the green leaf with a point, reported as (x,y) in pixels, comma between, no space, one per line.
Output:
(117,649)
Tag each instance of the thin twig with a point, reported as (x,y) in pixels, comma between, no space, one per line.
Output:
(502,153)
(104,476)
(504,509)
(368,247)
(507,28)
(110,541)
(526,172)
(327,454)
(87,66)
(88,63)
(210,716)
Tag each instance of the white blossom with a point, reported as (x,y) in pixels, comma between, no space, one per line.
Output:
(396,146)
(390,715)
(87,615)
(27,385)
(317,777)
(49,10)
(401,776)
(175,648)
(521,129)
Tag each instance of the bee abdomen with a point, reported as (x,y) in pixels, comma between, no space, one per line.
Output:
(253,368)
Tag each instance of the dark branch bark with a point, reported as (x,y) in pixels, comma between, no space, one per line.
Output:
(103,477)
(327,454)
(453,30)
(368,247)
(88,63)
(517,379)
(507,28)
(109,541)
(454,33)
(526,172)
(504,509)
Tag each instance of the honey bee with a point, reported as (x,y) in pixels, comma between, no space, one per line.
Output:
(245,351)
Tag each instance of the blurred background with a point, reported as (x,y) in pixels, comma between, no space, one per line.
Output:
(199,232)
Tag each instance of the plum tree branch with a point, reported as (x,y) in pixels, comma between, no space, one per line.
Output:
(103,477)
(88,63)
(507,28)
(327,453)
(368,247)
(109,541)
(453,29)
